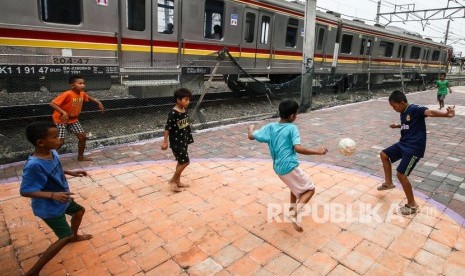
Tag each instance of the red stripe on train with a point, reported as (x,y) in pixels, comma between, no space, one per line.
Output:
(29,34)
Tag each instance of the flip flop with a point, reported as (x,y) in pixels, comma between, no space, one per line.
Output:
(408,210)
(384,187)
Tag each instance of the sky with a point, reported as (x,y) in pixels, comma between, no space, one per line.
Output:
(366,10)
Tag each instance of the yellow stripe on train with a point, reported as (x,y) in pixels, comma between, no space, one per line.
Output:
(57,44)
(174,50)
(281,57)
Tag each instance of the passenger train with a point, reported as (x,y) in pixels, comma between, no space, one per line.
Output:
(152,46)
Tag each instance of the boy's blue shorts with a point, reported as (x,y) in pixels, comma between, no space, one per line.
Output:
(408,161)
(59,225)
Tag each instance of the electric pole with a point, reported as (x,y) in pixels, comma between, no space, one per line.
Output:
(378,11)
(447,32)
(307,56)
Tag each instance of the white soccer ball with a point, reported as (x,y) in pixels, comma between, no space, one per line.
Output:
(347,146)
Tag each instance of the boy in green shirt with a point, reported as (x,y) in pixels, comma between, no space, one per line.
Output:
(442,85)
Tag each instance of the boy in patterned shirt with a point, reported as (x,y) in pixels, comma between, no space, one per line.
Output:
(179,132)
(67,107)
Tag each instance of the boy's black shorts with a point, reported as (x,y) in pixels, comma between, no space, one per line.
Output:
(59,225)
(181,155)
(408,161)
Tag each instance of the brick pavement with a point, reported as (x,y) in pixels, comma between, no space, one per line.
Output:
(219,225)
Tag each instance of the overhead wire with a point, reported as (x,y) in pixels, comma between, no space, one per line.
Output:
(437,29)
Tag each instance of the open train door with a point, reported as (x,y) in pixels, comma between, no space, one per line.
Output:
(149,34)
(256,39)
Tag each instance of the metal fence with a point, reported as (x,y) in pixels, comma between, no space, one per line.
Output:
(137,99)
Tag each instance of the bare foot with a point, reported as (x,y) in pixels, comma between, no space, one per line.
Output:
(296,224)
(83,158)
(174,186)
(82,238)
(182,185)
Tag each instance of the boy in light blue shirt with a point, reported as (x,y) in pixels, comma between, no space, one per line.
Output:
(283,140)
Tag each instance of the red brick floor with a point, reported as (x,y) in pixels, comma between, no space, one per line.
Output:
(228,223)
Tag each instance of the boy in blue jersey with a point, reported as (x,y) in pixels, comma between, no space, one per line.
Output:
(411,146)
(283,140)
(44,181)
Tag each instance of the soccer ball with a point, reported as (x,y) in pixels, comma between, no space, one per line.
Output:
(347,146)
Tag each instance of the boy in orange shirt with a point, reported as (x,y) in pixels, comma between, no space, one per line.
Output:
(68,106)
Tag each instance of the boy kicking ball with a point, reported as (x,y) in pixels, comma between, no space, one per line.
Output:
(283,140)
(411,146)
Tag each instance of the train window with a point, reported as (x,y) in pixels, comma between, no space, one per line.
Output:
(321,39)
(415,52)
(136,15)
(401,51)
(63,12)
(213,19)
(435,56)
(362,46)
(426,55)
(346,45)
(249,27)
(368,52)
(385,49)
(265,31)
(166,16)
(291,32)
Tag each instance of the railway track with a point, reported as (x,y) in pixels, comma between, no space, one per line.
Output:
(11,114)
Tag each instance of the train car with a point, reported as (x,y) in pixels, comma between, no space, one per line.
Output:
(152,46)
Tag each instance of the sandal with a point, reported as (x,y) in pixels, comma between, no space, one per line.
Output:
(408,210)
(385,187)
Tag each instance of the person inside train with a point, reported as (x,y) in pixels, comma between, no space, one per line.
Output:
(169,29)
(217,32)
